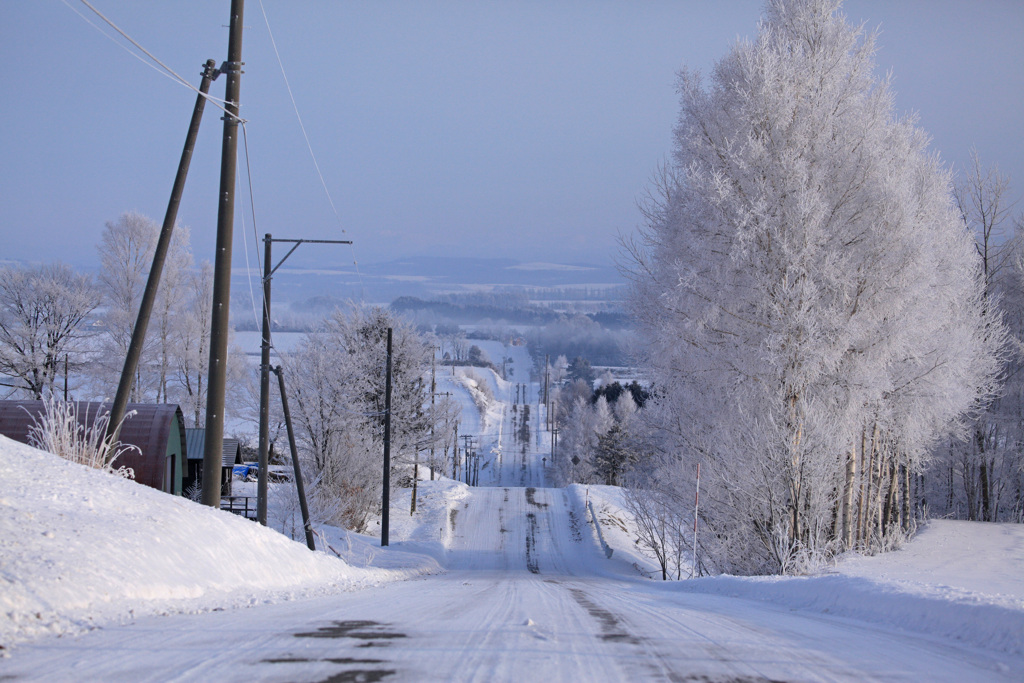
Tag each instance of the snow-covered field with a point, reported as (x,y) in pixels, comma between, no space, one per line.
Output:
(103,579)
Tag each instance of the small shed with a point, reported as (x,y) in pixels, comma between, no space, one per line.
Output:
(231,455)
(156,429)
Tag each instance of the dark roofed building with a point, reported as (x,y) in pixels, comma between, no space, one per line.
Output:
(156,429)
(231,455)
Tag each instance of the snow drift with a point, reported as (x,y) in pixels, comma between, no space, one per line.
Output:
(81,547)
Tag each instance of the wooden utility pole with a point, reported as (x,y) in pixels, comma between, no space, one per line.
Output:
(216,385)
(455,453)
(547,370)
(300,488)
(433,415)
(415,479)
(264,435)
(131,361)
(696,508)
(386,494)
(467,451)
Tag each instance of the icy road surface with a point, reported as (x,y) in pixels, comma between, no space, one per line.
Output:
(524,600)
(529,596)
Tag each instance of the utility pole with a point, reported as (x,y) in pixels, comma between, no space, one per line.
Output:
(131,361)
(696,507)
(415,479)
(264,434)
(300,488)
(264,438)
(386,494)
(547,370)
(433,416)
(455,453)
(216,385)
(467,469)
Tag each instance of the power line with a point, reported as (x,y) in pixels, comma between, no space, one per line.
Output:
(252,206)
(309,146)
(295,107)
(167,71)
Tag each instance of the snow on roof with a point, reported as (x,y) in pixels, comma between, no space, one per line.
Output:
(231,450)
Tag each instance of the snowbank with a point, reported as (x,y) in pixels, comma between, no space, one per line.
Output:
(972,618)
(425,537)
(81,547)
(959,580)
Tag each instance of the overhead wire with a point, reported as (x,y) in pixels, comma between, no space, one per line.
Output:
(220,103)
(309,146)
(115,41)
(167,71)
(295,107)
(252,206)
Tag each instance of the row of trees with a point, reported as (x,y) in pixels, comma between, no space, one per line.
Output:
(981,476)
(597,443)
(815,313)
(55,321)
(51,316)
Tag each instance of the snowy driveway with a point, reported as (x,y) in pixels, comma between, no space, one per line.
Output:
(525,600)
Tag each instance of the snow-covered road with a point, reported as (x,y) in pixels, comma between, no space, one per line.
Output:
(529,593)
(525,598)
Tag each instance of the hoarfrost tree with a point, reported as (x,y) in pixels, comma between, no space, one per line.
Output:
(336,383)
(42,311)
(170,311)
(981,477)
(803,282)
(191,341)
(126,255)
(126,248)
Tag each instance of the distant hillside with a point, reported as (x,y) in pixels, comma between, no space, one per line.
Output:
(299,281)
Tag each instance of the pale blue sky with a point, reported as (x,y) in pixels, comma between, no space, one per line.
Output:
(520,129)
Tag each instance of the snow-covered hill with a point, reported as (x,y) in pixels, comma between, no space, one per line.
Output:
(79,547)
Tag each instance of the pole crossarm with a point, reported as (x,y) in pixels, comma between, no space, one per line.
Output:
(273,270)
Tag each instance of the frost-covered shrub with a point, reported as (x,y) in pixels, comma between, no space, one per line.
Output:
(59,430)
(479,389)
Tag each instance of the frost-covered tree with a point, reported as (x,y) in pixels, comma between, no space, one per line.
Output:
(596,440)
(42,311)
(126,255)
(803,280)
(337,393)
(982,476)
(125,250)
(559,370)
(170,310)
(192,345)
